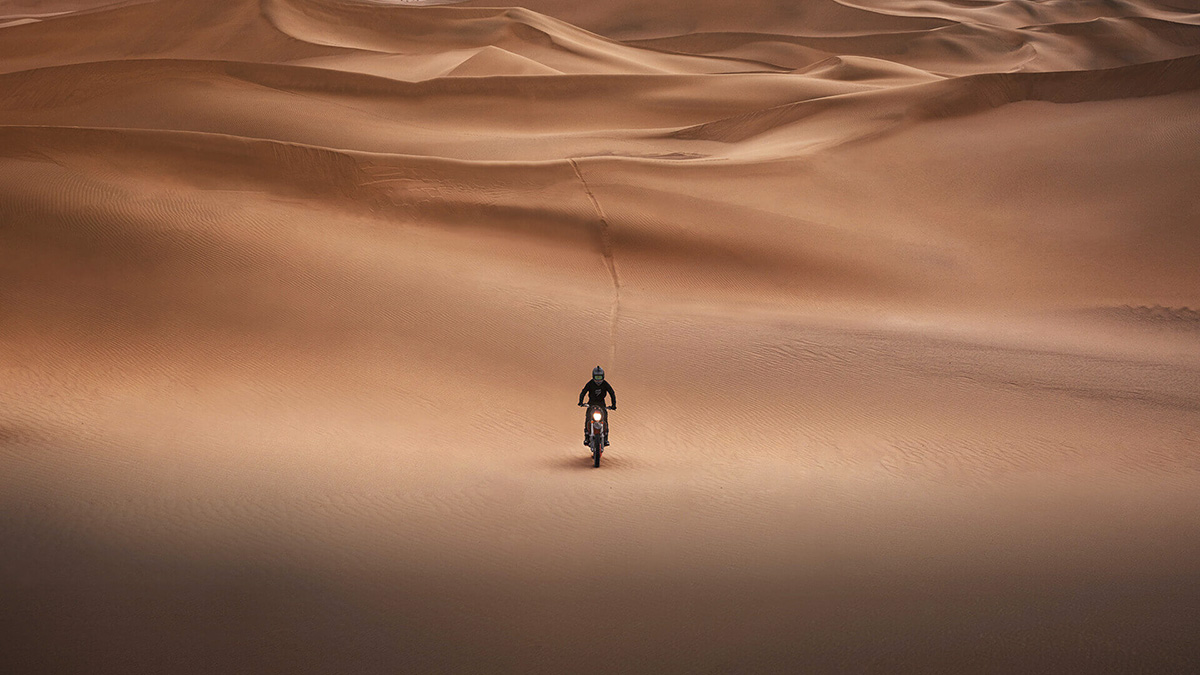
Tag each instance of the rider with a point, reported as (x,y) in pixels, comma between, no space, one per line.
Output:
(595,389)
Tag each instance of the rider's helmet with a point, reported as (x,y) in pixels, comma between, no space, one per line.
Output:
(598,374)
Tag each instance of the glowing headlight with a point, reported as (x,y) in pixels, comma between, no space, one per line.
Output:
(596,416)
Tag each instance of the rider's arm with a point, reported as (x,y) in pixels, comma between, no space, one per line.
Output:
(611,393)
(581,393)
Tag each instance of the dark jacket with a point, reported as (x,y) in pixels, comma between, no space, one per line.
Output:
(595,393)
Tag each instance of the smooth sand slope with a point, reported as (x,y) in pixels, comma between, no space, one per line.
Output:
(901,301)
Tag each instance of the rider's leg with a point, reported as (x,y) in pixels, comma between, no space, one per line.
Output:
(604,419)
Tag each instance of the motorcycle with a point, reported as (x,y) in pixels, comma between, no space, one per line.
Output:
(596,431)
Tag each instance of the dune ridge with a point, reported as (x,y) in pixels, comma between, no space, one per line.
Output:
(972,94)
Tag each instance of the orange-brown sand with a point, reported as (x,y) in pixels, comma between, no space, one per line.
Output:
(901,301)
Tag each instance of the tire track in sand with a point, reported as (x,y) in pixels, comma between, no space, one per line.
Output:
(606,250)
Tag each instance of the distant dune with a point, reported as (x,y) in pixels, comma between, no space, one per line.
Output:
(900,299)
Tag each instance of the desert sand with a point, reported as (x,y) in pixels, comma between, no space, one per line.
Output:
(901,302)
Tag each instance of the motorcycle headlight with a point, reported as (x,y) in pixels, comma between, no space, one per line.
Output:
(596,416)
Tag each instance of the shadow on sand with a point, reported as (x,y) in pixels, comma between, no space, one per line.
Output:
(583,460)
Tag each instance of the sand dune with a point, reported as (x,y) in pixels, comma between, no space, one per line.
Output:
(963,96)
(629,19)
(1100,43)
(900,299)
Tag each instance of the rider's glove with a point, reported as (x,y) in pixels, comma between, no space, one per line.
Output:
(581,404)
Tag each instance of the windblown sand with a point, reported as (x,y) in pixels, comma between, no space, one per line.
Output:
(901,302)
